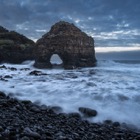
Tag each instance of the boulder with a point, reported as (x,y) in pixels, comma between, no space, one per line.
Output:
(14,47)
(37,73)
(74,47)
(88,112)
(28,132)
(57,109)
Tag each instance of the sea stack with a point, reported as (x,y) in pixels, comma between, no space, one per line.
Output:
(14,47)
(74,47)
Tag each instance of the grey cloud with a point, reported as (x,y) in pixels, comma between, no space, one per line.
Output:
(92,16)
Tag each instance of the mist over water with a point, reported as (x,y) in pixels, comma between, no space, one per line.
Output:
(118,53)
(112,88)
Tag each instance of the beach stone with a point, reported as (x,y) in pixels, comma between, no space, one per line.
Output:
(57,109)
(1,128)
(137,137)
(116,124)
(88,112)
(75,115)
(12,68)
(35,109)
(2,94)
(28,132)
(25,138)
(26,102)
(109,122)
(44,108)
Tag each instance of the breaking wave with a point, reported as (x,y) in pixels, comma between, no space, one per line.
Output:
(112,88)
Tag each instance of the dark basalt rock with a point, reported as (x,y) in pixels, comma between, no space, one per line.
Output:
(3,67)
(8,76)
(74,47)
(14,47)
(24,120)
(87,112)
(56,109)
(37,73)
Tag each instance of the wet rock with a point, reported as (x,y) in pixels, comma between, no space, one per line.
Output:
(56,109)
(116,124)
(26,102)
(35,108)
(28,132)
(91,84)
(25,138)
(2,94)
(137,137)
(3,67)
(87,112)
(2,79)
(71,75)
(25,69)
(1,128)
(74,47)
(12,68)
(108,122)
(44,107)
(37,73)
(92,72)
(6,133)
(75,115)
(8,76)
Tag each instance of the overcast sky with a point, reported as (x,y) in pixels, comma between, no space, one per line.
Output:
(110,22)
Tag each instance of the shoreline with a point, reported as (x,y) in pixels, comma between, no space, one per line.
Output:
(20,120)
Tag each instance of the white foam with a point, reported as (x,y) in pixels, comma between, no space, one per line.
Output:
(113,89)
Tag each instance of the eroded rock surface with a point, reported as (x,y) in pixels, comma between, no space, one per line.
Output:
(75,48)
(14,47)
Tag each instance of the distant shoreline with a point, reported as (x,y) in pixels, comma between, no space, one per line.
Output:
(118,55)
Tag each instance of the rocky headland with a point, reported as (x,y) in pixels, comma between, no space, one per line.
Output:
(14,47)
(74,47)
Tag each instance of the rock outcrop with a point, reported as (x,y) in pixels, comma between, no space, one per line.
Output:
(14,47)
(74,47)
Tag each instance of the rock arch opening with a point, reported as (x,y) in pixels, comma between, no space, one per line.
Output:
(56,61)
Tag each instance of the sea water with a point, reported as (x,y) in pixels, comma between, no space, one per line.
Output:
(112,88)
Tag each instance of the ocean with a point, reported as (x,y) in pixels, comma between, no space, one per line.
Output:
(112,88)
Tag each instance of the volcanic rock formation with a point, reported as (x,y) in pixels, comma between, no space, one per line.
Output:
(14,48)
(73,46)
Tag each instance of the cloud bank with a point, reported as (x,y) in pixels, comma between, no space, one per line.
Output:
(110,22)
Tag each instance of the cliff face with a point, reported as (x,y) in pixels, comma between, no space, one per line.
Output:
(74,47)
(14,47)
